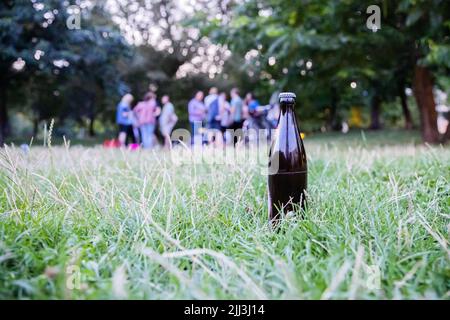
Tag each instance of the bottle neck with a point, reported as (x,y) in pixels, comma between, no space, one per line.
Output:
(284,107)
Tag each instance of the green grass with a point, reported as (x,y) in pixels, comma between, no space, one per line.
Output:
(135,225)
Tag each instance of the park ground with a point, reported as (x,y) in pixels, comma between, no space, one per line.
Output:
(84,222)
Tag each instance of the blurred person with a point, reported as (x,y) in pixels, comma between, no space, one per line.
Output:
(197,113)
(135,125)
(257,117)
(124,119)
(245,110)
(273,115)
(274,111)
(252,105)
(225,115)
(236,105)
(167,120)
(146,112)
(213,119)
(212,110)
(211,97)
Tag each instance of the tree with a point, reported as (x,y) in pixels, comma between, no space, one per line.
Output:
(159,27)
(425,24)
(282,47)
(39,52)
(333,37)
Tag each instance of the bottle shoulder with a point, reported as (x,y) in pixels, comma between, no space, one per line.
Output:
(287,152)
(291,159)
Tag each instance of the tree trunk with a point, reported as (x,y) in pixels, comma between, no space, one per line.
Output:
(92,116)
(375,108)
(446,137)
(333,121)
(423,92)
(35,126)
(4,121)
(91,126)
(405,108)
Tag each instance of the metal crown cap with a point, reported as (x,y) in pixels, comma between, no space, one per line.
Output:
(287,97)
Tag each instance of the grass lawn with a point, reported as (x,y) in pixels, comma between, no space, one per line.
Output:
(91,223)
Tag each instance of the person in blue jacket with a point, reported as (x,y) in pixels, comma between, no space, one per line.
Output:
(124,119)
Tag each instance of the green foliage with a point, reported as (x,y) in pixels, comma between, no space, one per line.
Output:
(315,48)
(67,72)
(334,37)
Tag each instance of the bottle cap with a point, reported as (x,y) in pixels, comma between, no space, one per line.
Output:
(288,97)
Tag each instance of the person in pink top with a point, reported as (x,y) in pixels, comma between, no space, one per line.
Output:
(146,112)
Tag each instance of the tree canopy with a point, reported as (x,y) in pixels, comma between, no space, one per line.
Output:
(322,50)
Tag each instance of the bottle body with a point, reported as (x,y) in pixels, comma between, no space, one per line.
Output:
(287,178)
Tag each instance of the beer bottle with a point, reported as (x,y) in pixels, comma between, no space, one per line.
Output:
(287,178)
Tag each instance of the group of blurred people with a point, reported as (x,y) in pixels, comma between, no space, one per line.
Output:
(215,113)
(210,117)
(218,114)
(139,124)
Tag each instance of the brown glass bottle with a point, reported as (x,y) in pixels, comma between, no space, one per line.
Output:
(287,177)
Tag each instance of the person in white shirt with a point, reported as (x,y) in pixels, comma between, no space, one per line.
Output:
(167,120)
(226,117)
